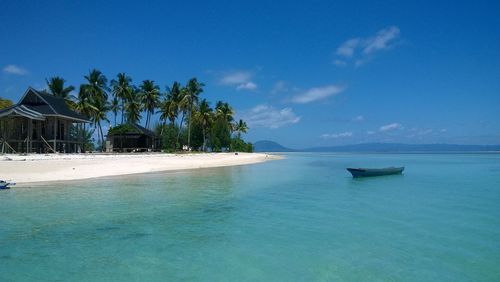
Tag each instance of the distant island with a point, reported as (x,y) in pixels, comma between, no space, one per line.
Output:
(271,146)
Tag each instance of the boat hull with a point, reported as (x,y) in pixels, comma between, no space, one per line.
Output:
(369,172)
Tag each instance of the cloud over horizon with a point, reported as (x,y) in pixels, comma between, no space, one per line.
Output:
(13,69)
(337,135)
(317,93)
(269,117)
(390,127)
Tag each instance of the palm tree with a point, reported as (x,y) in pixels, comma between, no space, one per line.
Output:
(100,114)
(96,94)
(133,106)
(121,89)
(97,85)
(204,114)
(57,88)
(224,111)
(240,127)
(84,106)
(190,99)
(182,107)
(150,96)
(173,95)
(115,107)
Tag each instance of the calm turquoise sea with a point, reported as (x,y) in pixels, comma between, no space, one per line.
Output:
(298,219)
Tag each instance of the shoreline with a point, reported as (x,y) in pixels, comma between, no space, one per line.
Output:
(35,168)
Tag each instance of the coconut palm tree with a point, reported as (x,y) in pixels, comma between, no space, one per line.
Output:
(205,116)
(100,114)
(240,127)
(150,96)
(224,111)
(190,100)
(121,87)
(56,87)
(115,107)
(97,85)
(96,92)
(85,107)
(133,106)
(173,95)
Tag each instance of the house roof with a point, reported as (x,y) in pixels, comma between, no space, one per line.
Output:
(43,104)
(23,111)
(129,129)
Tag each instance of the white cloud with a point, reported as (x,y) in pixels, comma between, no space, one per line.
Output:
(347,48)
(358,50)
(279,87)
(381,40)
(369,132)
(317,93)
(340,63)
(391,126)
(359,118)
(241,79)
(269,117)
(337,135)
(247,86)
(13,69)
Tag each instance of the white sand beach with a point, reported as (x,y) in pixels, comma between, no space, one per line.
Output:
(60,167)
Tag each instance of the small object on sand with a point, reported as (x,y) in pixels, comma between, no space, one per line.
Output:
(236,153)
(6,185)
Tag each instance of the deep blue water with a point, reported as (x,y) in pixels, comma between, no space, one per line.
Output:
(298,219)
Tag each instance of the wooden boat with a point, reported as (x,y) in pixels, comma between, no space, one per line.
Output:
(365,172)
(6,185)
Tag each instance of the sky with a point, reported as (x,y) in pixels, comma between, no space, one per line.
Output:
(302,73)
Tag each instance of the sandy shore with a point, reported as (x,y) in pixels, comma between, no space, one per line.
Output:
(61,167)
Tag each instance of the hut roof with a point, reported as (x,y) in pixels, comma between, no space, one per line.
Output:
(130,129)
(38,104)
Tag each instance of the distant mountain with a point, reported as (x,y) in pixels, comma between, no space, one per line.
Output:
(270,146)
(396,147)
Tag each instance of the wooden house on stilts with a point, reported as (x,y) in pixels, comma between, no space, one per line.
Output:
(40,123)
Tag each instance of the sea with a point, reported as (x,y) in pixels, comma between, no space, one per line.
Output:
(301,218)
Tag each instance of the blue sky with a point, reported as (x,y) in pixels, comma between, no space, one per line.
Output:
(304,74)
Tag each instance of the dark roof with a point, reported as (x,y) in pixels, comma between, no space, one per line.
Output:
(41,104)
(21,110)
(58,105)
(130,129)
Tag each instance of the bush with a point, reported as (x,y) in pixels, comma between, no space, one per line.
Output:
(238,145)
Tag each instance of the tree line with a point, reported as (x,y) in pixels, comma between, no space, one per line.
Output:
(184,118)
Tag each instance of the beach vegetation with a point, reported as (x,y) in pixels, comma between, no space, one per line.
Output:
(4,103)
(180,116)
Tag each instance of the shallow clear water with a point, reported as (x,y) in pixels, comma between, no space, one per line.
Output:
(301,219)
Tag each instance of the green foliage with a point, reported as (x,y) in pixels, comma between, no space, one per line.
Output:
(149,94)
(220,135)
(122,129)
(80,133)
(4,103)
(184,117)
(238,145)
(169,137)
(57,88)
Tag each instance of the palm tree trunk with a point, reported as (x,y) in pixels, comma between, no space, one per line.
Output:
(123,107)
(102,136)
(180,129)
(204,139)
(189,128)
